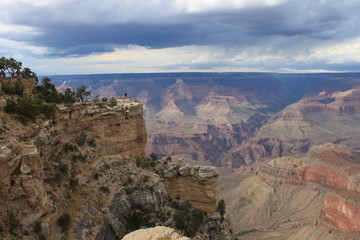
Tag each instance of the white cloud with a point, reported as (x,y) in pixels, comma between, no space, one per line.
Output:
(14,48)
(339,52)
(196,6)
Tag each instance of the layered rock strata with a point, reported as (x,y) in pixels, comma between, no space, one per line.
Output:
(334,167)
(196,184)
(311,121)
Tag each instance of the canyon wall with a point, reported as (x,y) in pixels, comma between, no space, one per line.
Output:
(326,117)
(88,162)
(334,171)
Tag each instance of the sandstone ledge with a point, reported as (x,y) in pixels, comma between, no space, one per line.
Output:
(154,234)
(196,184)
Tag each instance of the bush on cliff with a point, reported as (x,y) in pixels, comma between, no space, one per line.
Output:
(221,208)
(64,221)
(12,90)
(28,108)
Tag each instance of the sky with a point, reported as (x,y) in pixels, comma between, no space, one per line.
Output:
(132,36)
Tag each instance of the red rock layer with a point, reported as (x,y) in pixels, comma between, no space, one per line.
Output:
(342,213)
(327,165)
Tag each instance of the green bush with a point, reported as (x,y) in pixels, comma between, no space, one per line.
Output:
(80,139)
(137,220)
(104,189)
(221,208)
(153,156)
(91,142)
(188,219)
(14,223)
(69,147)
(73,183)
(63,168)
(64,221)
(28,108)
(112,102)
(12,90)
(37,227)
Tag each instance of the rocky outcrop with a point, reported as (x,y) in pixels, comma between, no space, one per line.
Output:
(119,130)
(155,234)
(196,184)
(88,164)
(26,84)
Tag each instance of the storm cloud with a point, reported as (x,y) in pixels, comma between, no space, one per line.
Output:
(264,34)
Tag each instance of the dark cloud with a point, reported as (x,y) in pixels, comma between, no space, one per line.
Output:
(242,27)
(85,38)
(292,27)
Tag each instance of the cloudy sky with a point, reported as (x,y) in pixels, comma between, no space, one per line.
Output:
(117,36)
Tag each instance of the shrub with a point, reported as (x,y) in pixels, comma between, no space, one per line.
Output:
(37,227)
(41,236)
(188,219)
(153,156)
(96,176)
(8,90)
(69,147)
(11,90)
(180,221)
(14,223)
(78,157)
(80,139)
(91,142)
(129,180)
(74,182)
(221,208)
(64,221)
(28,108)
(57,178)
(145,178)
(113,231)
(63,168)
(136,220)
(112,102)
(104,189)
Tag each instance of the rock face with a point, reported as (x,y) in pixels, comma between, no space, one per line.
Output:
(154,234)
(26,84)
(89,163)
(311,121)
(116,131)
(196,184)
(299,196)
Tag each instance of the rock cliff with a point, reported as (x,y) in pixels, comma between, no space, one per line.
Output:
(84,175)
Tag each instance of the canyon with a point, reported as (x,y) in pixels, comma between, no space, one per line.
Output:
(326,117)
(231,119)
(284,145)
